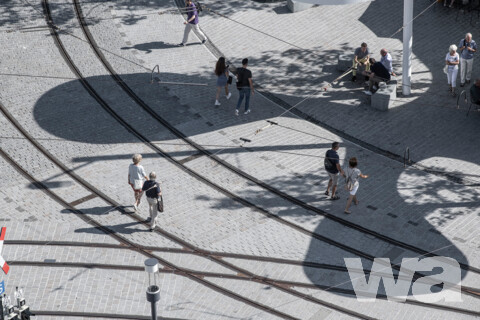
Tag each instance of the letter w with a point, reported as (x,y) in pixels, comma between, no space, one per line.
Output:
(366,291)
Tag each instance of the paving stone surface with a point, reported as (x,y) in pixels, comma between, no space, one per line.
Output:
(418,206)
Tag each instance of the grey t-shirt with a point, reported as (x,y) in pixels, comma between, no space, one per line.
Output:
(360,54)
(352,174)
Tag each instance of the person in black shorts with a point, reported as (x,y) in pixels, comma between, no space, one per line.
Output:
(333,168)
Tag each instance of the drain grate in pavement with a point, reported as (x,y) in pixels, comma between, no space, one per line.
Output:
(413,223)
(392,215)
(372,208)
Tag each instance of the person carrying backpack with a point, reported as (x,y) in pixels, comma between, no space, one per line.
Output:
(333,168)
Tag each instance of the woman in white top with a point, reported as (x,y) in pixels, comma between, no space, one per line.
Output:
(352,173)
(136,177)
(452,61)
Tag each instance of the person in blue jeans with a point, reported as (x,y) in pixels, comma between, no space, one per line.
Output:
(244,86)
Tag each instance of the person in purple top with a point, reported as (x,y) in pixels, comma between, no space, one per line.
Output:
(192,22)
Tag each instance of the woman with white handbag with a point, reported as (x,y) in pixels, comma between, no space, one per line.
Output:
(136,178)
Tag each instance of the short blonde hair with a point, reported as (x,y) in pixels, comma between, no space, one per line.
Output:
(452,48)
(137,158)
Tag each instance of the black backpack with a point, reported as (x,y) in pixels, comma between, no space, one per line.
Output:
(328,163)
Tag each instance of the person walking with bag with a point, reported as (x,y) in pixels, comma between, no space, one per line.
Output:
(244,86)
(191,23)
(221,71)
(136,178)
(352,174)
(452,60)
(154,196)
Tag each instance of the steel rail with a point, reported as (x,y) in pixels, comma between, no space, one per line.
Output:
(118,80)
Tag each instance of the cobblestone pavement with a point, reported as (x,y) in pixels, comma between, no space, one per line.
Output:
(289,62)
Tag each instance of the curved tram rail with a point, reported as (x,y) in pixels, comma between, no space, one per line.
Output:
(247,176)
(204,180)
(92,92)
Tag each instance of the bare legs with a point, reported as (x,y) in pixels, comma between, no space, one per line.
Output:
(334,188)
(349,202)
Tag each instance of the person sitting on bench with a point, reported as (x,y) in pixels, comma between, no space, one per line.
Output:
(377,73)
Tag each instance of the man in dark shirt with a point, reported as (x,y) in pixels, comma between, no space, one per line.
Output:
(332,165)
(245,86)
(377,73)
(153,193)
(475,92)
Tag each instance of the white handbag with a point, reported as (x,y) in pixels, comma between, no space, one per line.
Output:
(137,184)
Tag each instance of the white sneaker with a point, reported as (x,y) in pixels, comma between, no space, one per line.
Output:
(367,92)
(229,95)
(135,206)
(247,112)
(236,112)
(217,103)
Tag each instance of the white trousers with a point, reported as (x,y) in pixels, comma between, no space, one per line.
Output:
(152,203)
(452,77)
(466,66)
(189,27)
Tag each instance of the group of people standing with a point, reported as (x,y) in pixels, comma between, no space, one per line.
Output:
(467,48)
(374,72)
(351,174)
(140,183)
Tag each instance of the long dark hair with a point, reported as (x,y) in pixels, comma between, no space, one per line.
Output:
(220,66)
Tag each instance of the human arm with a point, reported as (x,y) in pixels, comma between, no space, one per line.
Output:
(339,168)
(364,176)
(251,85)
(472,47)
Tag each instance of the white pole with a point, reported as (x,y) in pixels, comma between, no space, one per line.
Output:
(407,46)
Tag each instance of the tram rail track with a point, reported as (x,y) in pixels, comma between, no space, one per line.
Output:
(69,171)
(211,184)
(228,276)
(119,81)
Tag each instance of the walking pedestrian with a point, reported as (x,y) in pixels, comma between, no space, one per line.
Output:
(362,54)
(452,60)
(467,48)
(191,23)
(245,86)
(387,61)
(333,168)
(221,70)
(136,178)
(352,173)
(153,193)
(475,92)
